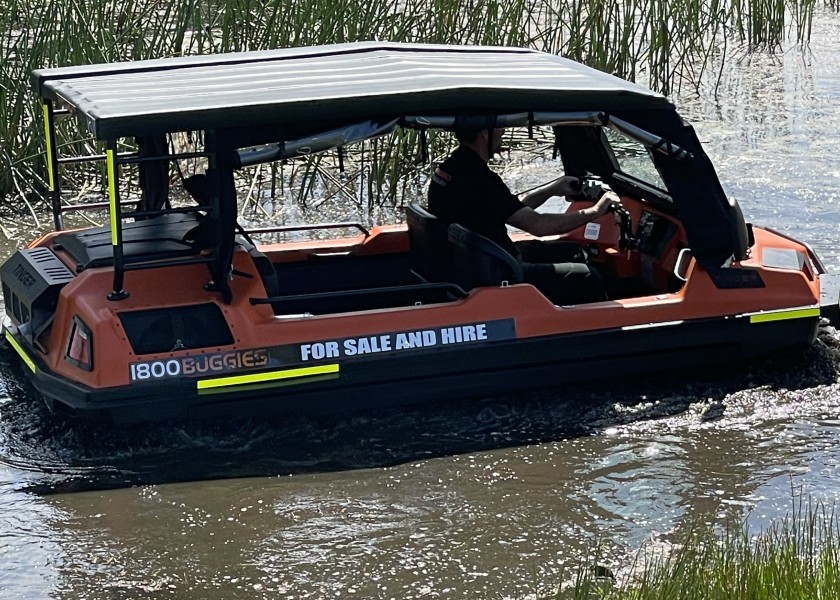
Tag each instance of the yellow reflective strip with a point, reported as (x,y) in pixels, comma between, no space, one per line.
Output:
(112,193)
(263,377)
(48,136)
(781,315)
(22,352)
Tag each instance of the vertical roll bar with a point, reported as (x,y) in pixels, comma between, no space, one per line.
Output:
(52,163)
(114,211)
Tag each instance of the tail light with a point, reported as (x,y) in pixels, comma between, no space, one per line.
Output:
(80,345)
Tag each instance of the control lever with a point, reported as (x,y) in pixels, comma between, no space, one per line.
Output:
(591,189)
(626,240)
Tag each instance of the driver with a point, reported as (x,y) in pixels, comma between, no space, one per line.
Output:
(465,190)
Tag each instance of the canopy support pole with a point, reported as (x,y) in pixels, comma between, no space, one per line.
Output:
(115,213)
(52,163)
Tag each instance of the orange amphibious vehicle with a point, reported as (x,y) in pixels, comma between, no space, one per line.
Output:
(177,312)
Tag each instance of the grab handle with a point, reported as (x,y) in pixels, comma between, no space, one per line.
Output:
(681,266)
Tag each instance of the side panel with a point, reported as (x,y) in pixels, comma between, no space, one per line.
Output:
(385,380)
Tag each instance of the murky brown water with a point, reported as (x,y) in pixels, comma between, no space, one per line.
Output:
(489,500)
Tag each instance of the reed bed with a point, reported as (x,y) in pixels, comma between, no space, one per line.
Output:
(797,558)
(651,40)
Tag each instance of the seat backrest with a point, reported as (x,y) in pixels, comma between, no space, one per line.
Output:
(267,272)
(479,261)
(431,255)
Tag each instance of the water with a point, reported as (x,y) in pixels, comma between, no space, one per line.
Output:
(490,500)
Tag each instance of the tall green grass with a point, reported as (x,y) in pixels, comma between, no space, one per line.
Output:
(651,39)
(797,558)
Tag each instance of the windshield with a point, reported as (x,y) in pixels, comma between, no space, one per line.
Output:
(634,159)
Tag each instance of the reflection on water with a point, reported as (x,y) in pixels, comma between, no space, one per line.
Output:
(772,136)
(489,500)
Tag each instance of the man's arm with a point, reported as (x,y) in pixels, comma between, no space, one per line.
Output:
(545,224)
(562,186)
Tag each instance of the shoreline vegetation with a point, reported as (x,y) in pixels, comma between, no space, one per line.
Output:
(796,558)
(665,44)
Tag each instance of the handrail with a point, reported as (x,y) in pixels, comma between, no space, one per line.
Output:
(91,206)
(127,158)
(680,270)
(133,215)
(314,226)
(145,214)
(71,160)
(451,287)
(133,264)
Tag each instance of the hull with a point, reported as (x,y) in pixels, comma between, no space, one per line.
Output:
(443,372)
(344,325)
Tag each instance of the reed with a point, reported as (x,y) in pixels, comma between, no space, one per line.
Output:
(796,558)
(660,40)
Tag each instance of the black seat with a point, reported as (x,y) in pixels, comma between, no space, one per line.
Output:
(431,255)
(479,261)
(266,270)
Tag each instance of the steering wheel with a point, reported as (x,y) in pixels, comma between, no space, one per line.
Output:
(591,189)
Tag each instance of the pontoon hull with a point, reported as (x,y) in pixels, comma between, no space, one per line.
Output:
(493,369)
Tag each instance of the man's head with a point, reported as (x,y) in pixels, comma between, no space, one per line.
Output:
(467,135)
(486,142)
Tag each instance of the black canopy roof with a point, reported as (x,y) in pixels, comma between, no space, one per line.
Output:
(287,94)
(355,81)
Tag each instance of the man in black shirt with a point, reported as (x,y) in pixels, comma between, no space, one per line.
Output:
(465,190)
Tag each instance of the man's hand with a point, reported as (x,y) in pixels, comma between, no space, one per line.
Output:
(605,203)
(566,186)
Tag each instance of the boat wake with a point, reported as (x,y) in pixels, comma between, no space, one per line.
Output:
(45,453)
